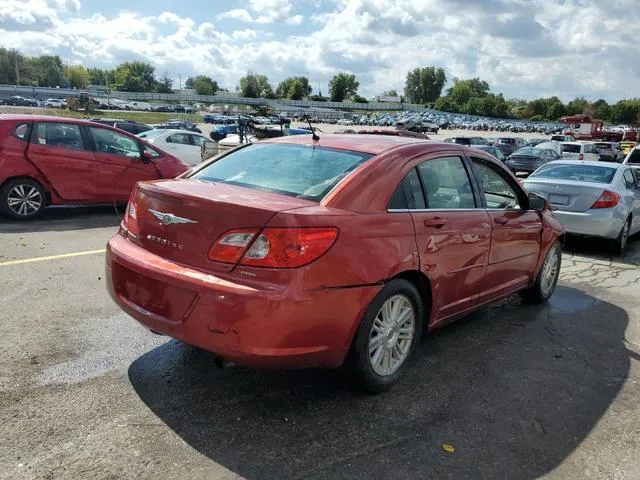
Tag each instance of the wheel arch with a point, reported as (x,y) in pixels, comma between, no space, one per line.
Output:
(422,283)
(47,190)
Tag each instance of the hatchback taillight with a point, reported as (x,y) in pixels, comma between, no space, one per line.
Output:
(607,200)
(130,220)
(273,247)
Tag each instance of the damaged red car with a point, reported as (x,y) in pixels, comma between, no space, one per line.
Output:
(295,252)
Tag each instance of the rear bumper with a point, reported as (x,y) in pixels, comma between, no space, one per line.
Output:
(605,222)
(264,326)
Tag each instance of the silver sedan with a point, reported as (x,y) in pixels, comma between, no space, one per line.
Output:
(591,198)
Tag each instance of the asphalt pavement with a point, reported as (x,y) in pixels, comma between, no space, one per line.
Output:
(511,391)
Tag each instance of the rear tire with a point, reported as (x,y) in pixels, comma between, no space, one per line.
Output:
(22,199)
(387,337)
(620,243)
(547,279)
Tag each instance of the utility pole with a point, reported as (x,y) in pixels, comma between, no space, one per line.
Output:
(180,84)
(17,69)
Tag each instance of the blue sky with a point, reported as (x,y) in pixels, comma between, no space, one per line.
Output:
(523,48)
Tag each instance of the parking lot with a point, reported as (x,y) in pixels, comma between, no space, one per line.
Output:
(517,391)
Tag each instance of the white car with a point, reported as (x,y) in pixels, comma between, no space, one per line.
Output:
(633,158)
(580,151)
(183,144)
(54,103)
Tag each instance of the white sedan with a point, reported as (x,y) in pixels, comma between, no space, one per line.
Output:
(54,103)
(182,144)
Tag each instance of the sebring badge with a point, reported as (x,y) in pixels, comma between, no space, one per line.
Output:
(164,241)
(170,218)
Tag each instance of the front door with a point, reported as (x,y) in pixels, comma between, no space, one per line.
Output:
(452,234)
(120,165)
(60,152)
(516,232)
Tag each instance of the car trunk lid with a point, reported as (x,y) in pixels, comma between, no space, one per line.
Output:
(567,195)
(181,219)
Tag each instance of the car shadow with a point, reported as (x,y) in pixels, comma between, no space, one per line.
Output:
(514,389)
(66,218)
(600,249)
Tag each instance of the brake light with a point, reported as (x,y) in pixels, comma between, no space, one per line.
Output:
(231,245)
(130,220)
(289,247)
(581,156)
(607,200)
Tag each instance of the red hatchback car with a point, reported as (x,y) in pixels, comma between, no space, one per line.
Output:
(290,253)
(59,161)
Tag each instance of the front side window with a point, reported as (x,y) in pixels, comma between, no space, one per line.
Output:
(198,140)
(446,183)
(496,190)
(108,141)
(59,135)
(294,170)
(629,181)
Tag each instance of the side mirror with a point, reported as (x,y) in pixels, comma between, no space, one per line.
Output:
(146,157)
(536,202)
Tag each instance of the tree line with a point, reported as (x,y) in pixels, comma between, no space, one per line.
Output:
(424,86)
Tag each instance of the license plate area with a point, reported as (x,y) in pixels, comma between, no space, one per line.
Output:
(557,199)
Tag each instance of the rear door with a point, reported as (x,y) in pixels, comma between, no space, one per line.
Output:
(632,182)
(181,145)
(452,234)
(60,151)
(516,232)
(119,164)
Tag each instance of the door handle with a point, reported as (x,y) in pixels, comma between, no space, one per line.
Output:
(435,222)
(501,220)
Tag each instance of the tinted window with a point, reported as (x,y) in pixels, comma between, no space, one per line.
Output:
(635,156)
(181,138)
(570,148)
(508,141)
(108,141)
(295,170)
(636,174)
(60,135)
(197,140)
(629,181)
(576,172)
(22,131)
(446,183)
(496,190)
(408,194)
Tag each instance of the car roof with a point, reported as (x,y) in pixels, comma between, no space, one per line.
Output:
(42,118)
(589,163)
(372,144)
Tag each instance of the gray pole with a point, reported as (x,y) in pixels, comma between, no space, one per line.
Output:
(17,70)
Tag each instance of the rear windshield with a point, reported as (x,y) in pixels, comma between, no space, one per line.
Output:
(295,170)
(577,173)
(536,152)
(568,148)
(508,140)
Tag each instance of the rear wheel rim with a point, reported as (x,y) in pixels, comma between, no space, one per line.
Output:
(550,272)
(391,335)
(624,236)
(24,200)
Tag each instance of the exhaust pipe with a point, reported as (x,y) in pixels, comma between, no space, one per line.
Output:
(222,364)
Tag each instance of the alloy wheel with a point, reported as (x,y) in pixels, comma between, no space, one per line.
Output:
(391,335)
(24,200)
(624,236)
(549,271)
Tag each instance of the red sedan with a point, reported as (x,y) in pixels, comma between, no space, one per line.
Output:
(65,161)
(290,253)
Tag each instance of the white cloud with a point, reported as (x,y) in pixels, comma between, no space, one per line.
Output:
(523,48)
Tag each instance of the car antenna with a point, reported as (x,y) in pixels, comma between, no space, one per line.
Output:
(314,136)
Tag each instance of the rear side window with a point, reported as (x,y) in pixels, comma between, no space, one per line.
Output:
(409,194)
(294,170)
(59,135)
(629,181)
(181,138)
(635,157)
(22,131)
(446,183)
(197,140)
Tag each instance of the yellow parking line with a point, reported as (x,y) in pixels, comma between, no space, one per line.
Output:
(50,257)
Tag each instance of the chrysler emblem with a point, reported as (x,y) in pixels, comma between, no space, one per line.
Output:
(169,218)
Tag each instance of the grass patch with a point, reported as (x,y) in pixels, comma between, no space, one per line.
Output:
(142,117)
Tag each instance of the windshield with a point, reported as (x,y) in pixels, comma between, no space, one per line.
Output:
(570,148)
(536,152)
(576,173)
(295,170)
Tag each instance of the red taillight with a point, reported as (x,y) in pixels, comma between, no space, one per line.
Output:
(581,156)
(607,200)
(274,247)
(131,216)
(230,246)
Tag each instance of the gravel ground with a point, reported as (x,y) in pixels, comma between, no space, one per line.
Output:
(517,391)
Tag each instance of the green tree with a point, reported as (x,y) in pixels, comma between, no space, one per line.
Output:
(98,76)
(576,106)
(555,110)
(286,88)
(164,84)
(601,109)
(134,77)
(444,104)
(390,93)
(343,85)
(204,85)
(77,76)
(16,68)
(424,85)
(189,83)
(460,94)
(49,70)
(358,99)
(625,111)
(255,85)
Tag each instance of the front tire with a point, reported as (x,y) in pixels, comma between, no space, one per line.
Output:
(387,336)
(547,279)
(22,199)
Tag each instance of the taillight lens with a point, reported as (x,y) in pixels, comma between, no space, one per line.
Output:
(274,247)
(581,156)
(289,247)
(607,200)
(230,246)
(131,216)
